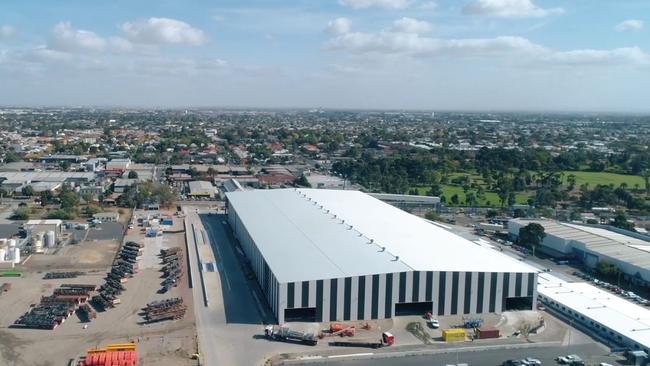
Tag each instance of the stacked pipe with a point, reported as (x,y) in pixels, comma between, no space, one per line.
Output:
(172,270)
(124,266)
(55,309)
(57,275)
(90,313)
(169,309)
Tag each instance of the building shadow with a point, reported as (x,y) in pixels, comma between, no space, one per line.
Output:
(243,300)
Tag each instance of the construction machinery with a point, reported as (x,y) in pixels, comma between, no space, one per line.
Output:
(387,339)
(283,333)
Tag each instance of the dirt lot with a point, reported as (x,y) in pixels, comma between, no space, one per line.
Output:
(164,343)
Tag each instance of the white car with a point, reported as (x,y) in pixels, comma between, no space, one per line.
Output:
(565,360)
(604,364)
(433,323)
(531,361)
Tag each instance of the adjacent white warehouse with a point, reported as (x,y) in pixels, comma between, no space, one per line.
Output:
(593,244)
(332,255)
(608,316)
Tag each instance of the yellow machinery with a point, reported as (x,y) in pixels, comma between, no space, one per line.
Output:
(114,348)
(453,335)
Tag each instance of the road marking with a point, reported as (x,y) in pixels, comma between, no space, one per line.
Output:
(352,355)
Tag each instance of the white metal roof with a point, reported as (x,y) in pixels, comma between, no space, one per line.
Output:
(53,176)
(307,234)
(609,243)
(620,315)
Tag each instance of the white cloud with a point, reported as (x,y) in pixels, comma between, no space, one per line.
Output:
(339,26)
(163,30)
(65,38)
(7,31)
(389,4)
(633,55)
(412,44)
(410,25)
(629,25)
(428,5)
(68,39)
(392,43)
(509,9)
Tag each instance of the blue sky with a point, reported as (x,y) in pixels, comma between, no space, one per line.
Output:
(388,54)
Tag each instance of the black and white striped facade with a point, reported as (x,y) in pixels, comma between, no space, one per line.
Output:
(375,296)
(385,295)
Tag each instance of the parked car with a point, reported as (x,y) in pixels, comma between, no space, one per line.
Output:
(567,360)
(529,361)
(433,323)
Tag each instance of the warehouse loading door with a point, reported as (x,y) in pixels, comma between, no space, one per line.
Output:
(300,315)
(413,308)
(519,303)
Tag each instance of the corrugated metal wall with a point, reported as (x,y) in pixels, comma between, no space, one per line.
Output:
(374,296)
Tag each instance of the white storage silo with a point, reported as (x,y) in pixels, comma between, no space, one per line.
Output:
(37,246)
(16,256)
(50,241)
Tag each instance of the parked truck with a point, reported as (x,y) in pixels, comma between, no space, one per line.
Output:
(387,339)
(285,334)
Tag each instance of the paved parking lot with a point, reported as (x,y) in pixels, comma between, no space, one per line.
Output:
(106,231)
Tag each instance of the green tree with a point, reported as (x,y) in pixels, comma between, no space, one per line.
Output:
(133,174)
(620,221)
(607,269)
(46,197)
(21,213)
(303,182)
(432,215)
(571,182)
(90,210)
(11,157)
(68,199)
(65,165)
(532,235)
(454,199)
(28,191)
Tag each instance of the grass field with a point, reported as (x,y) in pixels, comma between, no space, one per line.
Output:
(604,178)
(491,197)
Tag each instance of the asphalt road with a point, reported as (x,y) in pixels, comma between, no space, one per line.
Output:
(239,301)
(592,353)
(230,328)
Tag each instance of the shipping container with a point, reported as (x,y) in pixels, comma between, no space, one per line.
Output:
(453,335)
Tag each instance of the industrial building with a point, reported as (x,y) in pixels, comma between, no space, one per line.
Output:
(607,316)
(589,244)
(200,188)
(107,216)
(330,255)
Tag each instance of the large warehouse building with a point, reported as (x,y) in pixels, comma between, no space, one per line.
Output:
(331,255)
(592,244)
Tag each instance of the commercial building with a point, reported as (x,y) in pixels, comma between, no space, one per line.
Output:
(122,184)
(330,255)
(200,188)
(48,176)
(589,244)
(607,316)
(107,216)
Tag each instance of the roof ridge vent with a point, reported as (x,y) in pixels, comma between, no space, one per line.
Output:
(383,249)
(396,258)
(372,241)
